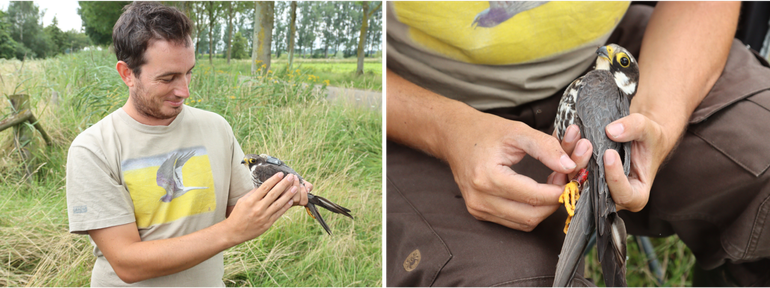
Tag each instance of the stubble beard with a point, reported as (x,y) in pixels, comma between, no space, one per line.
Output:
(150,108)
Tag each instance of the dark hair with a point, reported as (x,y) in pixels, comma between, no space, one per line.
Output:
(142,22)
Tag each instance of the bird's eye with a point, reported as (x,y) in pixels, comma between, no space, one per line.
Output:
(251,161)
(624,61)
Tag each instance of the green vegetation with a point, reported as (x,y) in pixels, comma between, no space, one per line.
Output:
(336,147)
(22,36)
(674,257)
(338,72)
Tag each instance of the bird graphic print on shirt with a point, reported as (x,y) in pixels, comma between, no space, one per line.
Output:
(170,186)
(170,176)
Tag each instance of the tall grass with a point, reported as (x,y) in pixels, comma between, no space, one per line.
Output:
(334,146)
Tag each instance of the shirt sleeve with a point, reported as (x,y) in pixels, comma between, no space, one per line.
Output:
(95,197)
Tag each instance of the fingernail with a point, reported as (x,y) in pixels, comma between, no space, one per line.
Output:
(615,129)
(291,202)
(566,162)
(581,149)
(572,134)
(294,190)
(608,159)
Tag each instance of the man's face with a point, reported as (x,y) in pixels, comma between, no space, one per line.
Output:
(162,85)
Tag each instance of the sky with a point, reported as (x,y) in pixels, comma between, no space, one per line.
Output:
(66,12)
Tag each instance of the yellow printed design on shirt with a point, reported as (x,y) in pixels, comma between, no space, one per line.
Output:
(168,187)
(507,32)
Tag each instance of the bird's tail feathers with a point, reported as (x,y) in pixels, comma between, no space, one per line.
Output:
(331,206)
(614,266)
(314,212)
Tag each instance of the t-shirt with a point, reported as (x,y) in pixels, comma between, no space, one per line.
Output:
(492,54)
(171,180)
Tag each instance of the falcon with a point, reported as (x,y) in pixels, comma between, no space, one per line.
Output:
(592,102)
(265,166)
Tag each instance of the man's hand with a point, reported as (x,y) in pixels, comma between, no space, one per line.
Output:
(648,150)
(300,199)
(256,211)
(481,163)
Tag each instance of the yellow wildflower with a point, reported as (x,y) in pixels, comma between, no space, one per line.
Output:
(326,82)
(232,97)
(199,100)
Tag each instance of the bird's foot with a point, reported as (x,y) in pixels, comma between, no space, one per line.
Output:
(308,212)
(571,194)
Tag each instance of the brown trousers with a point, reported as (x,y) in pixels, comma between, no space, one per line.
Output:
(714,192)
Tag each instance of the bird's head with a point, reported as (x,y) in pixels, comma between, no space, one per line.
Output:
(251,160)
(622,65)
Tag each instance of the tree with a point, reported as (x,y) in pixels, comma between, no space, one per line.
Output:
(197,17)
(76,41)
(7,44)
(213,10)
(239,46)
(231,9)
(292,30)
(280,27)
(305,33)
(362,36)
(99,18)
(263,33)
(56,36)
(26,30)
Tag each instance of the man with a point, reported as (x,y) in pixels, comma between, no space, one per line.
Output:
(462,89)
(158,186)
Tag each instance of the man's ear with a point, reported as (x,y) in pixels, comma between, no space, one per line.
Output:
(125,73)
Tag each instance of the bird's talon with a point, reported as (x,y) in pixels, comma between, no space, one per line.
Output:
(571,194)
(308,212)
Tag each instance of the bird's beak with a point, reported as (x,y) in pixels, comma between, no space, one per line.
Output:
(606,52)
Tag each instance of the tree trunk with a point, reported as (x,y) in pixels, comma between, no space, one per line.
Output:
(211,32)
(362,39)
(255,37)
(292,31)
(266,39)
(229,29)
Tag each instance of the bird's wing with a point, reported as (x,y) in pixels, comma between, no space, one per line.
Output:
(575,243)
(281,166)
(566,114)
(178,164)
(583,224)
(597,106)
(165,174)
(515,7)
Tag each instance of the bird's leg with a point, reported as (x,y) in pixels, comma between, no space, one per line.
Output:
(571,194)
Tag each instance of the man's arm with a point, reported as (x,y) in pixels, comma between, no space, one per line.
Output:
(683,53)
(135,260)
(480,148)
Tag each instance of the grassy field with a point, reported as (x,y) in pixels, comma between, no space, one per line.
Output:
(334,146)
(333,72)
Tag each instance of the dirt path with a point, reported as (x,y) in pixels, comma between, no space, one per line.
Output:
(359,98)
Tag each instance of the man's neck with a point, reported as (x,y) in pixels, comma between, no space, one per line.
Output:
(145,119)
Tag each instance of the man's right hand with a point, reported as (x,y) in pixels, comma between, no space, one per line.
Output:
(481,161)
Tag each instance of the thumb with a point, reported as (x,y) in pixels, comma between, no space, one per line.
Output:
(546,149)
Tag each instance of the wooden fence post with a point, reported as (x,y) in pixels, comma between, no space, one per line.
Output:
(22,134)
